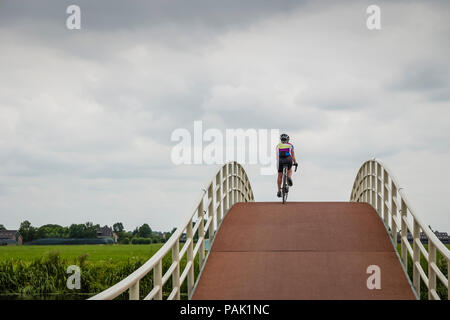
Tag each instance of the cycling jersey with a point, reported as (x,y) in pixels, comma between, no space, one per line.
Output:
(284,149)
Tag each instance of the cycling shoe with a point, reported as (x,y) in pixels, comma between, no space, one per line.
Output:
(289,181)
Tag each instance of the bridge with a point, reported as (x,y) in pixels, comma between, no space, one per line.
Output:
(236,248)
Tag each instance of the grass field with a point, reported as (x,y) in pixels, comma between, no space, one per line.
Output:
(96,253)
(40,272)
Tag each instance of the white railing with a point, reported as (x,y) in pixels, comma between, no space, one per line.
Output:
(375,184)
(229,186)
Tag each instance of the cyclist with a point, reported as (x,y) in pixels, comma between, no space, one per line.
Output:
(285,156)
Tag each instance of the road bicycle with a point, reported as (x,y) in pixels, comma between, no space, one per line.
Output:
(284,184)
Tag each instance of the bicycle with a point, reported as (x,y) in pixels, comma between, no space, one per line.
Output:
(284,184)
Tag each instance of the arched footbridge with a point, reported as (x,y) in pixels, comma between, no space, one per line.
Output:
(230,247)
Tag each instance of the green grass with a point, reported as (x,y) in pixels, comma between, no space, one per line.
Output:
(96,253)
(39,272)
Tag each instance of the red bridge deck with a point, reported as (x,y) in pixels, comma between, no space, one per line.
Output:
(301,250)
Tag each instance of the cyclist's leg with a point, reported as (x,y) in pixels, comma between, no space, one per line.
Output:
(285,188)
(280,176)
(289,174)
(282,169)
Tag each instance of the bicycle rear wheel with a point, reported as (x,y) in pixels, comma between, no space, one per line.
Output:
(284,189)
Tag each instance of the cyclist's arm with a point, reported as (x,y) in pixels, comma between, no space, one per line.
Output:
(293,156)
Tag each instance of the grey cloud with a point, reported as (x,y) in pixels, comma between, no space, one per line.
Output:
(429,77)
(86,117)
(116,14)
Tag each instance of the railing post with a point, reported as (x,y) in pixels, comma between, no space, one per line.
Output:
(246,186)
(370,185)
(225,191)
(134,291)
(201,234)
(211,212)
(157,277)
(190,258)
(239,188)
(367,177)
(379,190)
(361,185)
(374,185)
(356,192)
(393,212)
(234,184)
(238,198)
(416,257)
(404,251)
(242,185)
(431,273)
(230,186)
(176,272)
(385,197)
(364,184)
(218,202)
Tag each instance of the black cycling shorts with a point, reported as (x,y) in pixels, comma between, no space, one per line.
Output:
(283,162)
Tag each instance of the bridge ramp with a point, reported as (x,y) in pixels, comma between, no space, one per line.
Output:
(301,250)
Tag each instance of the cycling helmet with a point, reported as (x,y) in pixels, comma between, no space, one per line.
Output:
(284,138)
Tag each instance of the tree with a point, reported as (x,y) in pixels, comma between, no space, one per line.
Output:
(52,231)
(27,231)
(76,231)
(120,231)
(87,230)
(2,227)
(144,231)
(118,227)
(91,230)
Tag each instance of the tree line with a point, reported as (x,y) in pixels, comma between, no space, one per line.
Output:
(140,235)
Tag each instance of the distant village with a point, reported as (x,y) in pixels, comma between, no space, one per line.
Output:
(443,236)
(87,233)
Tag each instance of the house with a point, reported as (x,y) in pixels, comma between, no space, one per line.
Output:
(107,232)
(10,237)
(443,236)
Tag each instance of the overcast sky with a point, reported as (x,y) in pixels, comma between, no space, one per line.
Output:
(86,115)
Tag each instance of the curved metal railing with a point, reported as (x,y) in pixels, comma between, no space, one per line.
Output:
(230,185)
(376,185)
